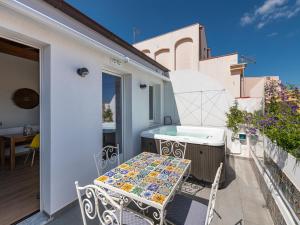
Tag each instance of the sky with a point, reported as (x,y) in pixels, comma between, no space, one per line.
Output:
(265,30)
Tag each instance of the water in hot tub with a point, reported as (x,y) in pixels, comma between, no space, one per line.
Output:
(175,132)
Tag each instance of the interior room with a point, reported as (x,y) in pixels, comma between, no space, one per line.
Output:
(19,131)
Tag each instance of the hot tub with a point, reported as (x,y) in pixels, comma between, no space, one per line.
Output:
(205,147)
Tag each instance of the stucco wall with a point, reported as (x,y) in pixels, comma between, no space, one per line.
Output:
(182,44)
(73,131)
(183,54)
(163,57)
(140,108)
(219,69)
(17,73)
(193,98)
(250,104)
(253,86)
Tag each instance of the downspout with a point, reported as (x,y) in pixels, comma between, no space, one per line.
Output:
(241,85)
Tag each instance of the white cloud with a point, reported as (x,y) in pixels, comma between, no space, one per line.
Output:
(269,6)
(247,19)
(260,25)
(272,34)
(269,11)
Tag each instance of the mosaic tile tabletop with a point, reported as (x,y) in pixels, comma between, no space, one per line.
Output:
(147,176)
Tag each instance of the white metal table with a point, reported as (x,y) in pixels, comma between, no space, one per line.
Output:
(148,180)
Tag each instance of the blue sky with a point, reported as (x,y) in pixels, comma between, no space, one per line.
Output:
(267,30)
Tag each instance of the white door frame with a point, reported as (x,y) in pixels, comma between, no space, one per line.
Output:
(44,63)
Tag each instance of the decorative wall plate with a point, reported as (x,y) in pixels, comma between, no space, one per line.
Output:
(26,98)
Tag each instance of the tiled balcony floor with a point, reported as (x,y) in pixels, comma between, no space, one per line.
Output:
(239,203)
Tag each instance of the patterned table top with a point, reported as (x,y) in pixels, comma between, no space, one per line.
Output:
(148,177)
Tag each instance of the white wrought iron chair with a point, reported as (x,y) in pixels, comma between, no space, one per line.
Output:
(172,148)
(176,149)
(96,204)
(108,158)
(186,211)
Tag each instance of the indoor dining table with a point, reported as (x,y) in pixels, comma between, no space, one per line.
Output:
(13,140)
(149,180)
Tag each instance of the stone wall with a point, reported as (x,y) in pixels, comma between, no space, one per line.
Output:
(271,204)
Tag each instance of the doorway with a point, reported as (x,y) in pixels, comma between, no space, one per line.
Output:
(112,105)
(19,127)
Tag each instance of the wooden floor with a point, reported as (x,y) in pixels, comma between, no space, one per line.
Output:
(18,191)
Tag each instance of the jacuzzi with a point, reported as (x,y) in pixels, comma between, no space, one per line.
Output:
(205,147)
(194,135)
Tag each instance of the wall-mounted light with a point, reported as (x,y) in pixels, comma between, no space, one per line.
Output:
(82,72)
(143,86)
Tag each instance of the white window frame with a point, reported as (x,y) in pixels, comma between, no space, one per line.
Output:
(117,74)
(153,103)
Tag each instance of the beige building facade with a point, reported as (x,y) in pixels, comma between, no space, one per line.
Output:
(202,86)
(186,49)
(178,50)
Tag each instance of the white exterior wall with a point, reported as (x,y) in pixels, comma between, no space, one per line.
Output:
(71,106)
(196,99)
(219,69)
(208,76)
(250,104)
(76,114)
(140,108)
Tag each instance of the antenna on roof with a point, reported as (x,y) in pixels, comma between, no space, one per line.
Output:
(135,33)
(247,59)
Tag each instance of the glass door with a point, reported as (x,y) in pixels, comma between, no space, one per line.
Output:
(112,110)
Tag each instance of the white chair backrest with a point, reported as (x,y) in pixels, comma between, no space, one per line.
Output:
(172,148)
(95,203)
(213,196)
(107,159)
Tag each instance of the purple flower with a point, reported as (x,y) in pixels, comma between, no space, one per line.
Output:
(252,131)
(294,108)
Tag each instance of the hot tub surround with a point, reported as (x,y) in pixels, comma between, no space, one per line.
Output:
(205,147)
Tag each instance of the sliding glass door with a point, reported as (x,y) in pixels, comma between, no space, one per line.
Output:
(112,110)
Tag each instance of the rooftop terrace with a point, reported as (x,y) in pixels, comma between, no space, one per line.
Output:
(240,202)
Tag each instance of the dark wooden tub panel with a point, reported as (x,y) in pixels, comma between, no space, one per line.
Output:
(205,159)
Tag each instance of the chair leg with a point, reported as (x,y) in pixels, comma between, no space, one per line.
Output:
(27,156)
(32,161)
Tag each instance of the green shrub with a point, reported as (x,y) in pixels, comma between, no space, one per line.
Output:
(279,121)
(235,118)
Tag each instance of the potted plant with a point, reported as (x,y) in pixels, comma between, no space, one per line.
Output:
(235,120)
(251,128)
(107,115)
